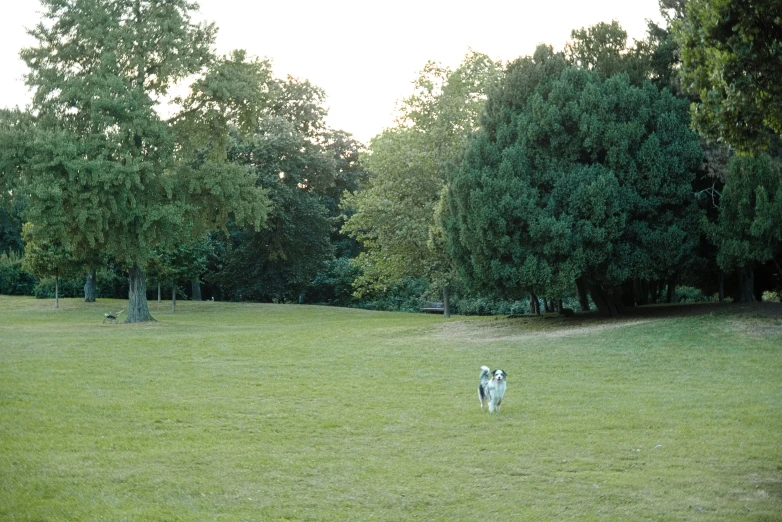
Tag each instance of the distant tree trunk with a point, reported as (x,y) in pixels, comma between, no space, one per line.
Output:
(159,293)
(560,307)
(196,290)
(671,290)
(173,297)
(56,290)
(627,297)
(546,306)
(446,303)
(534,304)
(746,276)
(722,286)
(583,298)
(641,291)
(605,301)
(138,311)
(653,292)
(90,292)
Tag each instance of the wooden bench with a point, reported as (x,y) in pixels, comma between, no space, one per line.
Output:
(434,307)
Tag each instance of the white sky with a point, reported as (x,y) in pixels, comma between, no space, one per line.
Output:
(364,54)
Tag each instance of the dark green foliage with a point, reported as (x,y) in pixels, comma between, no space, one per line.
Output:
(406,295)
(732,62)
(14,279)
(749,228)
(278,262)
(304,167)
(333,285)
(574,175)
(11,227)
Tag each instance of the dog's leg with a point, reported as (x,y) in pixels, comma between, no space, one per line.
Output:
(491,406)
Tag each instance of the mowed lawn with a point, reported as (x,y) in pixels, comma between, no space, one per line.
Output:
(227,411)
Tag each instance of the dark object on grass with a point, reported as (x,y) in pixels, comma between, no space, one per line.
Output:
(111,316)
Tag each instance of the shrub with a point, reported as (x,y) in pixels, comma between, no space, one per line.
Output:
(688,294)
(14,280)
(67,288)
(334,283)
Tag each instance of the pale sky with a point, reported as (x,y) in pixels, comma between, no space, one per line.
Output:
(364,54)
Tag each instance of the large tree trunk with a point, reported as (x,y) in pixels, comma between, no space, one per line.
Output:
(138,311)
(583,298)
(196,289)
(534,304)
(746,276)
(446,303)
(90,292)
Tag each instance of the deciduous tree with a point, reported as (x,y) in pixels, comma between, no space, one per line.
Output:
(107,173)
(731,54)
(394,215)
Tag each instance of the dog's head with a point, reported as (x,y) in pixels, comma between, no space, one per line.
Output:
(499,375)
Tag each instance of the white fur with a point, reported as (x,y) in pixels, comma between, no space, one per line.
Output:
(491,391)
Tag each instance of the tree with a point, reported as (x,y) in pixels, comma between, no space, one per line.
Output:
(46,259)
(187,263)
(574,177)
(748,231)
(292,156)
(393,217)
(107,173)
(731,54)
(603,48)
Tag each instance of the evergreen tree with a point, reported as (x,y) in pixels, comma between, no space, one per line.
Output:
(748,231)
(574,176)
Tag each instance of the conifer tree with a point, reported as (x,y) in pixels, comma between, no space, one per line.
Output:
(574,176)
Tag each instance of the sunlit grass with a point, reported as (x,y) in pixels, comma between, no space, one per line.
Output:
(263,412)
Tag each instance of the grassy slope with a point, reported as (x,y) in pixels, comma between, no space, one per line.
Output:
(249,412)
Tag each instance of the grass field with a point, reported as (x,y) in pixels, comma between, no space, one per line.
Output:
(227,411)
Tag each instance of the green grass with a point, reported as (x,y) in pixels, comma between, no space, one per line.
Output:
(284,412)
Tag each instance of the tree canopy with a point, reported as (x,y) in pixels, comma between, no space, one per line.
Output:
(574,176)
(107,172)
(394,215)
(731,53)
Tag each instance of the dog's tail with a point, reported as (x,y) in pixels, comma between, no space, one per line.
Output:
(485,371)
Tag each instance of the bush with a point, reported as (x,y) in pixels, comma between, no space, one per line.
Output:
(334,284)
(407,296)
(68,288)
(109,285)
(14,280)
(688,294)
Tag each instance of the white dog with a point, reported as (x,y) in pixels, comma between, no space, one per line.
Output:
(491,391)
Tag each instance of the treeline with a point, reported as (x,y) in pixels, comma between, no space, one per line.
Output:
(607,175)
